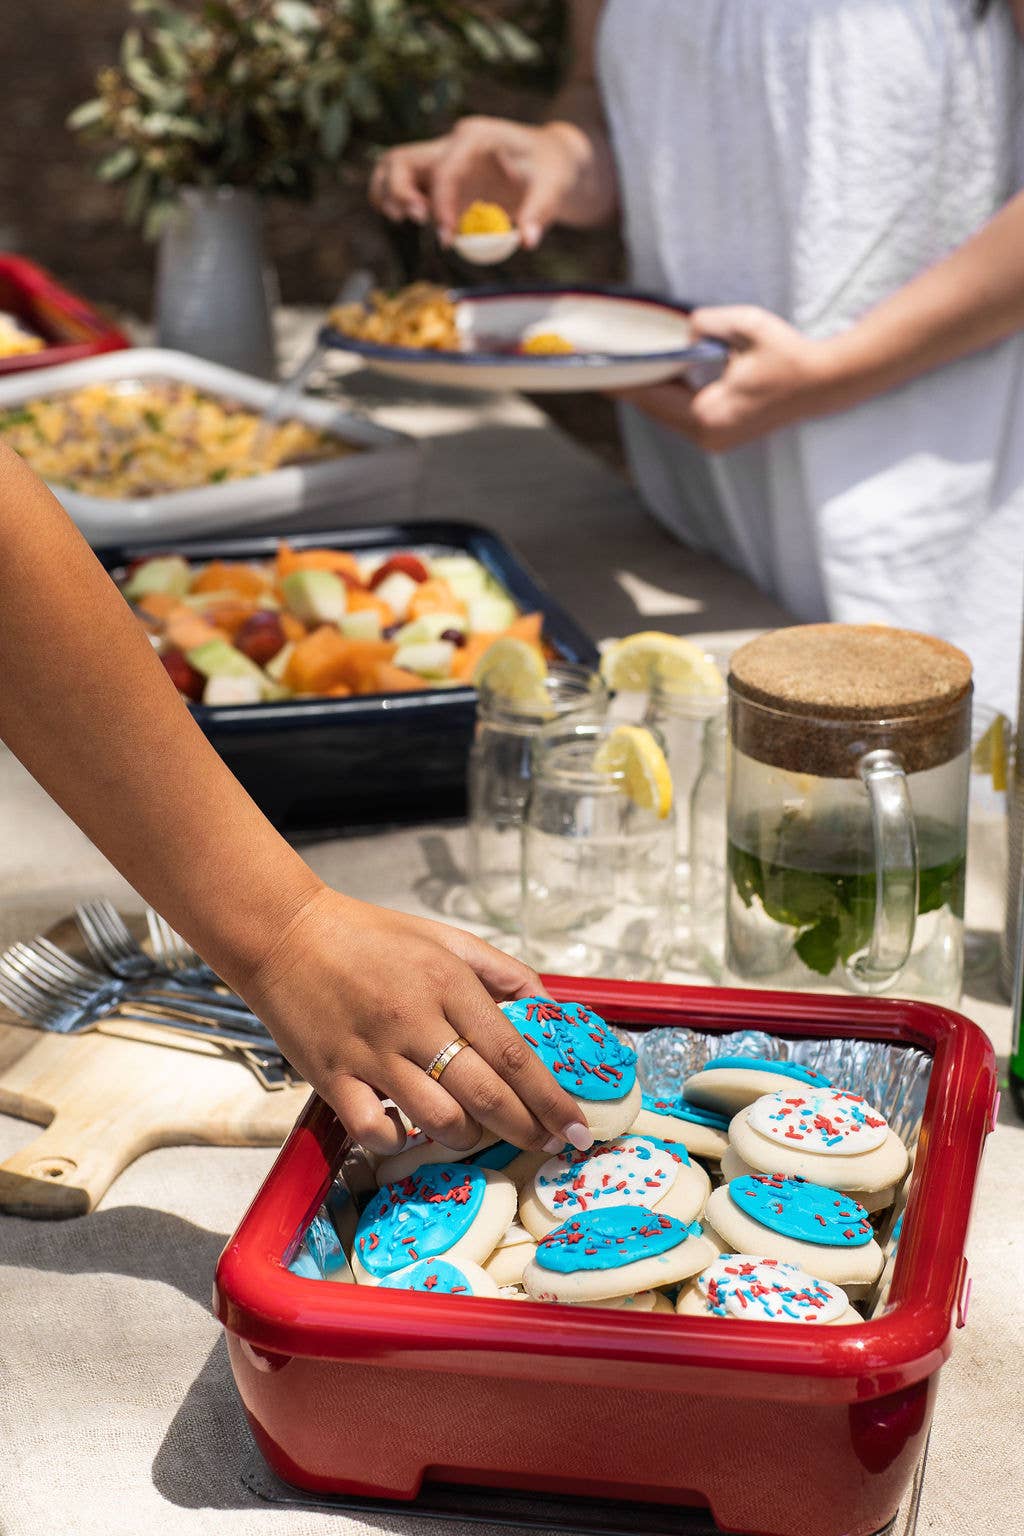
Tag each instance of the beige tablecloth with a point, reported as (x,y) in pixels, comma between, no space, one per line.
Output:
(118,1415)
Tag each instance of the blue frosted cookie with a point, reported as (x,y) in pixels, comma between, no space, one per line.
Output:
(586,1058)
(615,1251)
(829,1234)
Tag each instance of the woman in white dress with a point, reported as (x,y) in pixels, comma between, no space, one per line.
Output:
(838,179)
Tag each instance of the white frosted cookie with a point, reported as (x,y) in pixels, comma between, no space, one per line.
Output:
(826,1233)
(442,1277)
(615,1252)
(764,1290)
(593,1065)
(734,1167)
(702,1132)
(420,1150)
(729,1083)
(822,1134)
(454,1210)
(515,1250)
(632,1170)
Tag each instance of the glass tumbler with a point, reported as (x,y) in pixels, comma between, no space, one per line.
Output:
(499,781)
(598,870)
(682,720)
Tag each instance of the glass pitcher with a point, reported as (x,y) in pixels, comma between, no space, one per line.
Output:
(847,811)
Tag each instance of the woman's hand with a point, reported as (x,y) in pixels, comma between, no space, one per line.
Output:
(534,173)
(361,999)
(774,376)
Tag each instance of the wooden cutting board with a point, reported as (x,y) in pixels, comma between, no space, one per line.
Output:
(105,1098)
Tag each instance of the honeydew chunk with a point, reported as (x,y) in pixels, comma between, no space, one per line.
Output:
(315,597)
(277,666)
(164,573)
(491,612)
(429,658)
(218,658)
(430,627)
(225,689)
(364,624)
(398,591)
(466,576)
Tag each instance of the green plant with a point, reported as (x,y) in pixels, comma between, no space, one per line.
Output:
(268,94)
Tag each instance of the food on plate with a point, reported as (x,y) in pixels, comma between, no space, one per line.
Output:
(16,340)
(482,218)
(324,622)
(421,315)
(764,1290)
(145,439)
(545,344)
(591,1063)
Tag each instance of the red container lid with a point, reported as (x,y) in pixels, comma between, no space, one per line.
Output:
(71,328)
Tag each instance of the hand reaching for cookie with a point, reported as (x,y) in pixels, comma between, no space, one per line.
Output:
(362,1000)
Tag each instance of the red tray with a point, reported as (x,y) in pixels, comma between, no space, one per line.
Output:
(71,328)
(777,1431)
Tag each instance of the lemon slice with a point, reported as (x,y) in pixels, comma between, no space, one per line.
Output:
(634,663)
(989,755)
(632,751)
(514,670)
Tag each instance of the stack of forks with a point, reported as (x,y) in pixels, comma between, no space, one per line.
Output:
(171,989)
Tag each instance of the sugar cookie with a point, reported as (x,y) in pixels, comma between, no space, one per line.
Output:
(515,1250)
(730,1083)
(440,1277)
(734,1167)
(632,1170)
(420,1150)
(825,1232)
(701,1131)
(764,1290)
(592,1064)
(826,1135)
(615,1252)
(450,1209)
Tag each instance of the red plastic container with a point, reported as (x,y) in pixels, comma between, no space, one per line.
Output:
(71,328)
(777,1431)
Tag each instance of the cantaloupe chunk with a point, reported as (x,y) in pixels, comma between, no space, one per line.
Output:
(326,659)
(389,679)
(336,560)
(185,630)
(360,601)
(434,596)
(161,605)
(294,629)
(466,657)
(225,576)
(229,614)
(528,627)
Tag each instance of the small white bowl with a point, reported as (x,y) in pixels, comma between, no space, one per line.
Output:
(487,250)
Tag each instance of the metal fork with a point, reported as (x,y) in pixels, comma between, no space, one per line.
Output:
(50,968)
(112,945)
(174,956)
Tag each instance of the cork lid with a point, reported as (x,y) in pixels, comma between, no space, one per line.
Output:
(893,687)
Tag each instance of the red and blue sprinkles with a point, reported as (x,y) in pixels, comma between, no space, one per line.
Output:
(808,1213)
(420,1216)
(612,1238)
(576,1045)
(435,1276)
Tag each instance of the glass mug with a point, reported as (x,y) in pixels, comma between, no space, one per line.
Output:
(499,781)
(598,870)
(847,812)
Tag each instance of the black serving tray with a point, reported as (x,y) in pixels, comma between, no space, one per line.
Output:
(320,767)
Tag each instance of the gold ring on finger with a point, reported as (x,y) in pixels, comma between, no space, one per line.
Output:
(445,1057)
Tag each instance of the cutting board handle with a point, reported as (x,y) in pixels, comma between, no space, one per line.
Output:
(63,1171)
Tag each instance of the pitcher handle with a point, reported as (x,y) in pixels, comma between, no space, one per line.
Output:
(896,870)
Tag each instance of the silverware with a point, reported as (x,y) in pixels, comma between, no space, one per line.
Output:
(112,945)
(175,957)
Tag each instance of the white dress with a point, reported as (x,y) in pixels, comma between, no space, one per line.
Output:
(811,156)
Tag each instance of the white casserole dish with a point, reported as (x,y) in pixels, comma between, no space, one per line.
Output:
(384,475)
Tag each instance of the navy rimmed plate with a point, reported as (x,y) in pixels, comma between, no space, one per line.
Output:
(620,340)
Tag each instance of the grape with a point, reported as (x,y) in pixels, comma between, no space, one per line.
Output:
(261,637)
(184,677)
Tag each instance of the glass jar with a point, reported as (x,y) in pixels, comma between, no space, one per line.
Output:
(847,811)
(597,869)
(682,719)
(499,781)
(707,852)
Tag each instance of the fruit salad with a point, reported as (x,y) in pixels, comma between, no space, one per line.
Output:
(323,623)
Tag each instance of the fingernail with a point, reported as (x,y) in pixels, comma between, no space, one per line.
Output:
(554,1144)
(579,1136)
(531,234)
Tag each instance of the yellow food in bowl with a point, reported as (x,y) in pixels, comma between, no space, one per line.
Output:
(484,219)
(133,439)
(546,344)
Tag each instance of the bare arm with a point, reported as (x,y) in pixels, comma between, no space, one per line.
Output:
(971,299)
(359,998)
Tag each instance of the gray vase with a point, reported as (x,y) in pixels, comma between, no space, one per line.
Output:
(213,289)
